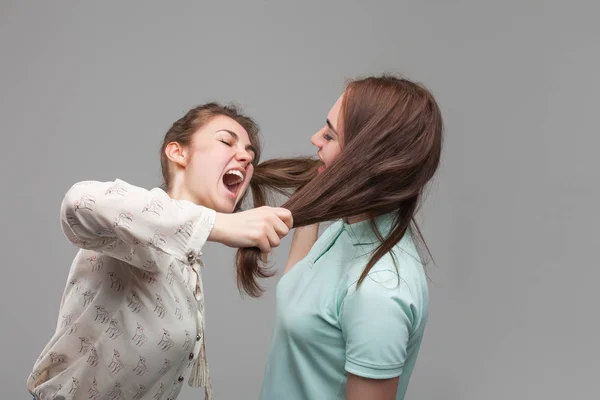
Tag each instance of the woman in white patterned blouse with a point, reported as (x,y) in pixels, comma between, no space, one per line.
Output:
(131,321)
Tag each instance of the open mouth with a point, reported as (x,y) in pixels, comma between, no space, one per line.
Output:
(322,165)
(233,181)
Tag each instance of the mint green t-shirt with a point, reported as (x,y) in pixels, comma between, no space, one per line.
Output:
(325,327)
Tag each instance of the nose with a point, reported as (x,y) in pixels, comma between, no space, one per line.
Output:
(315,140)
(243,157)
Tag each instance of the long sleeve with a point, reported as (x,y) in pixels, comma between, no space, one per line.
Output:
(132,224)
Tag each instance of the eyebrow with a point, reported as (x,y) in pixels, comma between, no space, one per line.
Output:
(331,126)
(236,137)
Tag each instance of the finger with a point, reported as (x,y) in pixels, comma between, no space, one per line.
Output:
(273,238)
(280,227)
(264,245)
(285,215)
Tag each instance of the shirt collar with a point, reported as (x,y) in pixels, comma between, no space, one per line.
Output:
(362,232)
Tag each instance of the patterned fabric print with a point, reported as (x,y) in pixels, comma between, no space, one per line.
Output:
(131,319)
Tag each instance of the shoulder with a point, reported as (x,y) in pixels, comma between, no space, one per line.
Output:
(399,275)
(331,230)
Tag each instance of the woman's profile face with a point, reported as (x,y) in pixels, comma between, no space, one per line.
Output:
(329,138)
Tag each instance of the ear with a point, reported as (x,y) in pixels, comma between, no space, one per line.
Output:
(176,153)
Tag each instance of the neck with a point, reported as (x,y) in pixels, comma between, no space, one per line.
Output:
(178,191)
(356,218)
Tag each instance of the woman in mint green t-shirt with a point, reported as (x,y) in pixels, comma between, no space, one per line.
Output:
(353,303)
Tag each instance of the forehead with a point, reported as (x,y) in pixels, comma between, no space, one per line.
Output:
(224,123)
(334,113)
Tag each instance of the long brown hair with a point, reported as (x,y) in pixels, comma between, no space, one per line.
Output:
(392,131)
(184,128)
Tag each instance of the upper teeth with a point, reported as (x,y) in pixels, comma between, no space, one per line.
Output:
(236,173)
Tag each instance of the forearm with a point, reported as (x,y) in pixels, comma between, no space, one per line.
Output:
(303,240)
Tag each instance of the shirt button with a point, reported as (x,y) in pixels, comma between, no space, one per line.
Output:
(197,338)
(180,379)
(191,357)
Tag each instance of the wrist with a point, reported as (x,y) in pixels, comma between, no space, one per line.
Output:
(217,234)
(307,230)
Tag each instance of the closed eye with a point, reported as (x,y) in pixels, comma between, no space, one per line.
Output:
(224,141)
(327,137)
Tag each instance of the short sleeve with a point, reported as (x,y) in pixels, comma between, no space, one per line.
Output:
(376,321)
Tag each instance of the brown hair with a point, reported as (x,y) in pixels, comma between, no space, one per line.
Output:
(392,131)
(184,128)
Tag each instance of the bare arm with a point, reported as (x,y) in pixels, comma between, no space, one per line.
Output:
(304,238)
(359,388)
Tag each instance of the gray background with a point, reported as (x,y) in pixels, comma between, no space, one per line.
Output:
(87,91)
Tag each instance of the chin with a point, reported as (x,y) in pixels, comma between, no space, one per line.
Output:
(225,207)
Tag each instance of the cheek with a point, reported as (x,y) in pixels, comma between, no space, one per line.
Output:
(203,168)
(249,175)
(216,158)
(250,172)
(333,152)
(337,151)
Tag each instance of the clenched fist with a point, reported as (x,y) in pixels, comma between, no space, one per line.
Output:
(261,227)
